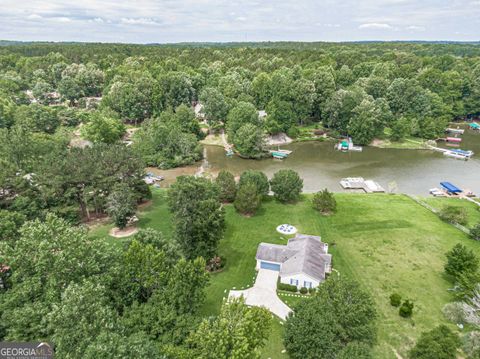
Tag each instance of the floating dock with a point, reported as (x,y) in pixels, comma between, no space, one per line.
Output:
(368,186)
(458,131)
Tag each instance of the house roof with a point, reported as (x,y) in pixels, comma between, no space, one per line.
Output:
(302,254)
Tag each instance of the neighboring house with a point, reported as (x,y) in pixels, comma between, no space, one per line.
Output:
(303,262)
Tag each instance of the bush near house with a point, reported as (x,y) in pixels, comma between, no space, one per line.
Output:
(287,287)
(304,290)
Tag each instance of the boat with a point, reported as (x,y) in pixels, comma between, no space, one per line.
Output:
(459,131)
(453,139)
(436,192)
(463,152)
(474,126)
(455,155)
(229,152)
(279,155)
(347,145)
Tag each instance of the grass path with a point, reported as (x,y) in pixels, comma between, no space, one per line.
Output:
(387,242)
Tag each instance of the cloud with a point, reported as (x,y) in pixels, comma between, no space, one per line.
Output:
(375,25)
(416,28)
(139,21)
(234,20)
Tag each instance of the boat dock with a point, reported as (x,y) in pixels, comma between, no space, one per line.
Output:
(347,145)
(459,131)
(368,186)
(450,190)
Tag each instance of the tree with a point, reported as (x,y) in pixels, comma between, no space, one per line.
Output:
(215,106)
(79,318)
(42,92)
(239,332)
(339,313)
(150,236)
(121,205)
(258,178)
(10,223)
(131,97)
(248,199)
(364,124)
(475,232)
(461,260)
(186,118)
(103,128)
(49,256)
(355,350)
(244,113)
(228,188)
(439,343)
(69,89)
(162,142)
(324,202)
(198,216)
(37,118)
(262,89)
(286,185)
(111,345)
(249,141)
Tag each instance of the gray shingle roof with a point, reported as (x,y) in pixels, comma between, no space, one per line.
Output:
(302,254)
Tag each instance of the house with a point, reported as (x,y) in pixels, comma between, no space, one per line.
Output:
(303,262)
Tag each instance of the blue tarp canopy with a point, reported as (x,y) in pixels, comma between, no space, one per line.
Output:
(450,187)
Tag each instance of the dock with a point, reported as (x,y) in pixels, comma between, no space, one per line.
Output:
(368,186)
(459,131)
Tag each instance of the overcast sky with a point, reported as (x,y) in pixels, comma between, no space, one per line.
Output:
(161,21)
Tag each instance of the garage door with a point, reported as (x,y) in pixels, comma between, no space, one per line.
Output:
(271,266)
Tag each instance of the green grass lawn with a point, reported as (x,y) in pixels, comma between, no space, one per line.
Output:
(386,242)
(473,211)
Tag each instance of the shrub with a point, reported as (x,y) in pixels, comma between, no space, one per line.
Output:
(439,343)
(324,202)
(475,232)
(461,260)
(227,185)
(304,290)
(312,290)
(248,199)
(293,132)
(215,264)
(395,299)
(406,309)
(258,178)
(287,287)
(286,185)
(453,214)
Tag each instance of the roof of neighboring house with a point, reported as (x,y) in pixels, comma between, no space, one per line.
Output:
(302,254)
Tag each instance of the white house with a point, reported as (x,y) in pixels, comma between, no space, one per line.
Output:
(303,262)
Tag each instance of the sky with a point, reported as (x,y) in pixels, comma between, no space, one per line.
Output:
(169,21)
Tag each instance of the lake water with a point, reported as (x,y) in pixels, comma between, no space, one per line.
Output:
(320,166)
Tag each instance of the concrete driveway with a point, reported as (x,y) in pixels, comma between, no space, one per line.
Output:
(264,294)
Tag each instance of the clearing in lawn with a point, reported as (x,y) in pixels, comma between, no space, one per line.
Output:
(388,243)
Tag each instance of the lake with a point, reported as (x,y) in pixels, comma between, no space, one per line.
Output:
(320,166)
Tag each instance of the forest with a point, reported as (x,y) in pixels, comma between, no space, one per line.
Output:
(79,123)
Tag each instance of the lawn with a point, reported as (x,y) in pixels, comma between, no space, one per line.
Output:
(386,242)
(473,211)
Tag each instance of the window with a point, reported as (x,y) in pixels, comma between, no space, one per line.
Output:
(294,281)
(307,284)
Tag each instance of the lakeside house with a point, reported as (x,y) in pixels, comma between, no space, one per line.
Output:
(303,262)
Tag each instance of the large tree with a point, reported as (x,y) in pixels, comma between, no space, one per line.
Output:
(198,216)
(339,313)
(286,185)
(439,343)
(239,332)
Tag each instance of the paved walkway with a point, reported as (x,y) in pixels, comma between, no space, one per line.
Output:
(264,294)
